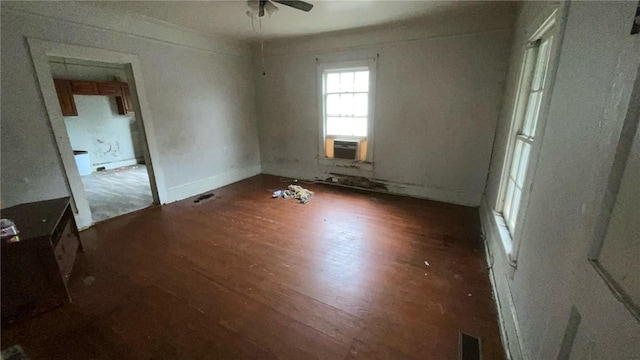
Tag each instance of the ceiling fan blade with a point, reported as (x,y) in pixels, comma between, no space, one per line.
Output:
(300,5)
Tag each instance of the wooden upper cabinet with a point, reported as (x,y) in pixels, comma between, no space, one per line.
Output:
(125,106)
(109,88)
(84,87)
(65,97)
(67,88)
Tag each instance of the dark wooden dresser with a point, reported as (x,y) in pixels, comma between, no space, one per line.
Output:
(36,269)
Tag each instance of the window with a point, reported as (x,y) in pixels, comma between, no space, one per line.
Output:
(347,107)
(525,124)
(346,102)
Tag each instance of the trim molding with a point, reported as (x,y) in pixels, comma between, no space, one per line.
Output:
(184,191)
(128,25)
(276,52)
(117,164)
(40,49)
(499,271)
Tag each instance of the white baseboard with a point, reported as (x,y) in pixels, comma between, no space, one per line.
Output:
(447,196)
(499,268)
(197,187)
(452,197)
(115,164)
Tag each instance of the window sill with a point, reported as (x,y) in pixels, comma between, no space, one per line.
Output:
(344,163)
(505,238)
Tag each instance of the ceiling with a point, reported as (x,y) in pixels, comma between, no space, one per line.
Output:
(229,18)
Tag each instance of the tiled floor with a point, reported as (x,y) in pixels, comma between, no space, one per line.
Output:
(119,191)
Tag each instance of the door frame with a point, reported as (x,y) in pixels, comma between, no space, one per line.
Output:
(40,50)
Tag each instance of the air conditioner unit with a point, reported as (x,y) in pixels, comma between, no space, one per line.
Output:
(346,149)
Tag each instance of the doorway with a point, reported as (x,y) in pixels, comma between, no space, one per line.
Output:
(104,135)
(104,147)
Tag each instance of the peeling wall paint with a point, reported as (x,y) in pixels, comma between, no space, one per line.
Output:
(357,181)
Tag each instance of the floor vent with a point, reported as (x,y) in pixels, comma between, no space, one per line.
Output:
(469,347)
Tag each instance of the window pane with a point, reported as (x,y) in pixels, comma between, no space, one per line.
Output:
(508,200)
(515,206)
(333,82)
(515,161)
(346,81)
(524,163)
(359,126)
(531,116)
(333,104)
(360,104)
(346,126)
(541,66)
(362,81)
(335,126)
(347,105)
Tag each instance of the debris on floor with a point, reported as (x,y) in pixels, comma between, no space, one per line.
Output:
(294,191)
(426,263)
(203,197)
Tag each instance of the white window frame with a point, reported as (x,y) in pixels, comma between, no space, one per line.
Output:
(353,65)
(511,233)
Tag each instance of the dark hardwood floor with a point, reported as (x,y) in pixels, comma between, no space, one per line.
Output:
(245,276)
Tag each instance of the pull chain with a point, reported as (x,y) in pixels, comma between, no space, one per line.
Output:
(264,72)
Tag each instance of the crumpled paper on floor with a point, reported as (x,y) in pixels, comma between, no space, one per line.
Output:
(294,191)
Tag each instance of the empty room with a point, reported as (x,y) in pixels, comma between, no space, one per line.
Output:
(320,180)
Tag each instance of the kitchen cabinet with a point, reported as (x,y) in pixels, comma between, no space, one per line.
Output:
(109,88)
(67,88)
(125,106)
(84,87)
(65,97)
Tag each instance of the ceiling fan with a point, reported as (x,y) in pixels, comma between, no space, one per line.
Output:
(260,7)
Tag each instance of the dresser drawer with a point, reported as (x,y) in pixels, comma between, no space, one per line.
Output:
(65,250)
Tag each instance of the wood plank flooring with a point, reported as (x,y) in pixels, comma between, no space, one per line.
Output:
(245,276)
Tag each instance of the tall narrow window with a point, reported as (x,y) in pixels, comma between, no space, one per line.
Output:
(347,102)
(523,140)
(346,110)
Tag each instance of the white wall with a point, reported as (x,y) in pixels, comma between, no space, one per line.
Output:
(73,69)
(621,248)
(107,136)
(439,86)
(594,80)
(199,89)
